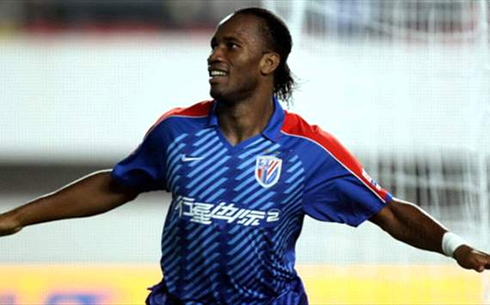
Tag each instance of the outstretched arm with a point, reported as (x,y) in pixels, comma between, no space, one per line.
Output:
(410,224)
(94,194)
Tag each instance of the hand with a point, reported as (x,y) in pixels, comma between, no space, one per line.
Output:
(8,225)
(470,258)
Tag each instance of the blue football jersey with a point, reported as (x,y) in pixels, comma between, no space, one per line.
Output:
(237,211)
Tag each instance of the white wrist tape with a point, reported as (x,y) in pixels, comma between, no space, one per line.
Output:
(450,242)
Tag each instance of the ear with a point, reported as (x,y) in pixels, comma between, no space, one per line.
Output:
(269,63)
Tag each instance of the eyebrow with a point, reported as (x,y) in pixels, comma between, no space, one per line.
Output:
(227,39)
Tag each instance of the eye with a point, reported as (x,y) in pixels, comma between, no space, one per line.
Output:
(232,45)
(213,43)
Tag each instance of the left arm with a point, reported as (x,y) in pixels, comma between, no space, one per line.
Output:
(408,223)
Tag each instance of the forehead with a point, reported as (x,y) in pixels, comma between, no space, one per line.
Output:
(242,27)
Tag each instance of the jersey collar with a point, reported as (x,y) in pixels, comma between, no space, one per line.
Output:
(271,131)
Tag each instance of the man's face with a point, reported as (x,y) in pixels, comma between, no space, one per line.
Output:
(234,63)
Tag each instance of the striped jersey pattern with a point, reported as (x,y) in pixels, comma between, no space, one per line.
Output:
(237,211)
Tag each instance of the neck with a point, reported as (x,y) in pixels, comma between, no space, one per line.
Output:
(244,119)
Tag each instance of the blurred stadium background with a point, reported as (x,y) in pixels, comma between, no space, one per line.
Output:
(404,84)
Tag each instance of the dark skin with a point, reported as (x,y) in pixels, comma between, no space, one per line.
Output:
(245,92)
(242,80)
(408,223)
(92,195)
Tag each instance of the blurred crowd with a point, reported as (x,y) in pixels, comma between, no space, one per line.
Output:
(39,15)
(322,17)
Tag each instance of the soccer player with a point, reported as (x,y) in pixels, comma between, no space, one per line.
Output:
(243,173)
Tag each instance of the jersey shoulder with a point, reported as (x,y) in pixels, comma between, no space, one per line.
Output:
(296,126)
(198,110)
(325,144)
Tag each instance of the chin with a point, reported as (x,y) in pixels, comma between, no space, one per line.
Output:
(214,94)
(218,95)
(226,97)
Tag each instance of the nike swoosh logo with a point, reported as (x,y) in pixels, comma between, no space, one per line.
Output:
(190,159)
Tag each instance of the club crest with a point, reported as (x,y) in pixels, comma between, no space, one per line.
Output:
(267,170)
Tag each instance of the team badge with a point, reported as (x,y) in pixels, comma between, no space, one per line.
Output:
(267,170)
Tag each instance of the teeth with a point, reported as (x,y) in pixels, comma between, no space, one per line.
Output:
(217,73)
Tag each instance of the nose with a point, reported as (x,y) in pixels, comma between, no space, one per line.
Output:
(216,55)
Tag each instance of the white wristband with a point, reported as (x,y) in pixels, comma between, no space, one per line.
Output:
(450,242)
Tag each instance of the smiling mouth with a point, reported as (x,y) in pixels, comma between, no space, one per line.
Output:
(213,74)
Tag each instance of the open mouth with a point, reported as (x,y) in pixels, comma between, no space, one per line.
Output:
(217,73)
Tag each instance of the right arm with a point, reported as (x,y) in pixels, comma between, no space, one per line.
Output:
(94,194)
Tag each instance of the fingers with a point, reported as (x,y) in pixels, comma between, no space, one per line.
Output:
(486,264)
(473,259)
(480,268)
(482,261)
